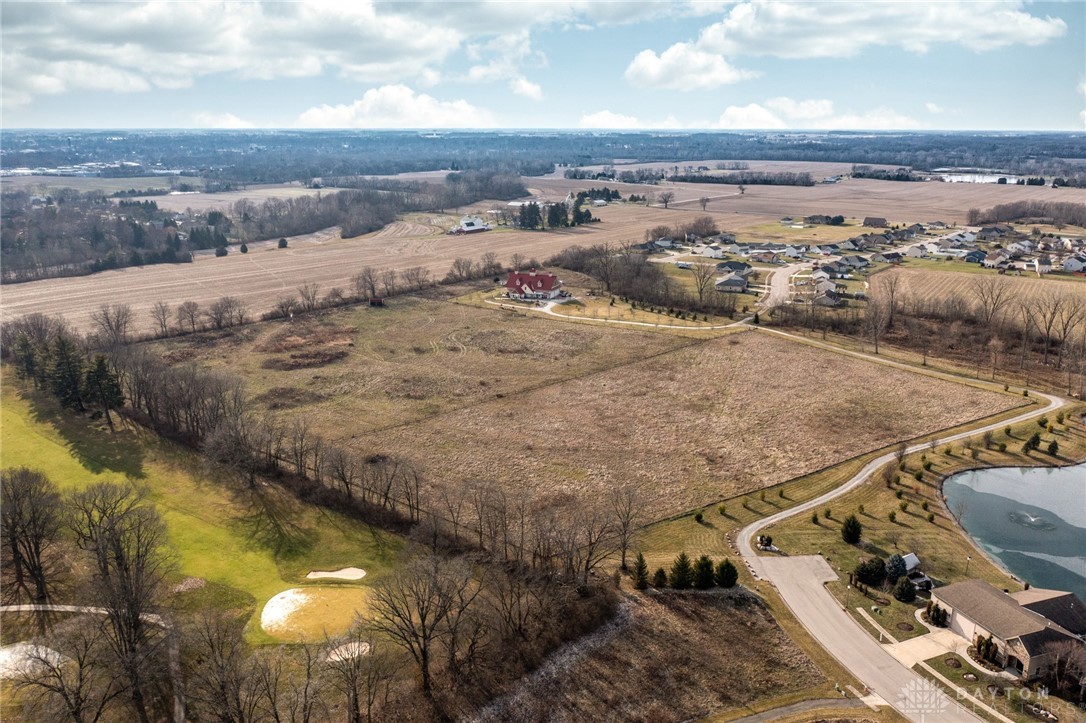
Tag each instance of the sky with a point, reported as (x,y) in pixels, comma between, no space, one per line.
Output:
(747,64)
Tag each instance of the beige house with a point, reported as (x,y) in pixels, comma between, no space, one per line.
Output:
(1023,635)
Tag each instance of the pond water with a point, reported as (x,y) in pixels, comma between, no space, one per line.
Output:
(978,178)
(1032,519)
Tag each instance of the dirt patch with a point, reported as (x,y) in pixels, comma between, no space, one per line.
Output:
(305,359)
(287,398)
(905,627)
(952,663)
(303,334)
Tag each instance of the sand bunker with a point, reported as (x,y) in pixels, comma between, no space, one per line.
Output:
(20,658)
(277,611)
(348,651)
(346,573)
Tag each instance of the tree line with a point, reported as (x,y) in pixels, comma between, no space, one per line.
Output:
(1056,212)
(748,178)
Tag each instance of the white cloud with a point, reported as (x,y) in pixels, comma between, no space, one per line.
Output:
(683,67)
(526,88)
(220,120)
(844,29)
(749,116)
(606,120)
(396,106)
(934,108)
(784,113)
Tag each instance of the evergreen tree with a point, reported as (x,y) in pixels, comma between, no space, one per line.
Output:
(726,574)
(659,578)
(895,567)
(682,572)
(26,358)
(703,573)
(851,530)
(557,215)
(904,590)
(102,388)
(66,373)
(640,573)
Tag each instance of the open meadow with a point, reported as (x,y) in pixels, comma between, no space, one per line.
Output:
(235,548)
(951,281)
(546,407)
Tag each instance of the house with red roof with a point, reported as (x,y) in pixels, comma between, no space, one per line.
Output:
(533,284)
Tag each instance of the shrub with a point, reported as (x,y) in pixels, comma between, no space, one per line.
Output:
(814,517)
(682,572)
(1060,418)
(828,514)
(927,466)
(899,494)
(722,509)
(871,571)
(1002,446)
(892,516)
(851,530)
(1008,431)
(918,475)
(762,496)
(640,573)
(861,509)
(659,578)
(1042,422)
(948,451)
(780,493)
(1054,448)
(903,506)
(905,591)
(703,573)
(698,517)
(282,243)
(726,574)
(244,249)
(924,505)
(221,251)
(931,517)
(895,567)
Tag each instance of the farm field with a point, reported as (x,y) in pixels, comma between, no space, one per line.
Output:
(853,198)
(48,184)
(225,537)
(936,283)
(488,394)
(202,202)
(417,358)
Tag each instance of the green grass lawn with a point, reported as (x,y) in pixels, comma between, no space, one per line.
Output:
(248,545)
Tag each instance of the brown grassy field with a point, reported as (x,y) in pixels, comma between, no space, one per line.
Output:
(47,184)
(201,202)
(667,663)
(928,283)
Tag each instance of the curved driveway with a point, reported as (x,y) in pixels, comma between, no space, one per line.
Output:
(801,584)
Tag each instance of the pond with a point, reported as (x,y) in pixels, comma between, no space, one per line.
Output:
(1031,519)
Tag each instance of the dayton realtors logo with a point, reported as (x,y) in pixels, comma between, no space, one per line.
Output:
(923,698)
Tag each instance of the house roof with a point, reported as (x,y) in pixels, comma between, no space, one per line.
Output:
(1063,608)
(911,560)
(994,610)
(532,281)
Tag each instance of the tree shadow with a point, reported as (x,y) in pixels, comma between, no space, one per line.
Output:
(96,450)
(269,522)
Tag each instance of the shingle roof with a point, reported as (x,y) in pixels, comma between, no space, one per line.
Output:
(1062,608)
(993,610)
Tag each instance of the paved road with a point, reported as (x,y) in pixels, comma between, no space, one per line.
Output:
(801,580)
(780,284)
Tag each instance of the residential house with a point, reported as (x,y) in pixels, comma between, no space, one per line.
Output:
(936,225)
(817,219)
(824,285)
(787,221)
(1022,634)
(875,222)
(889,257)
(915,229)
(820,275)
(1075,264)
(795,252)
(1042,264)
(471,224)
(826,249)
(856,262)
(975,256)
(996,260)
(713,252)
(736,267)
(848,245)
(764,257)
(917,251)
(533,284)
(829,298)
(734,284)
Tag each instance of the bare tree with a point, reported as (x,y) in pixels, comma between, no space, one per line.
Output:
(603,264)
(416,277)
(291,685)
(516,261)
(362,671)
(389,282)
(1071,314)
(188,313)
(364,283)
(343,469)
(222,682)
(626,505)
(285,306)
(31,516)
(704,201)
(68,676)
(309,294)
(226,312)
(161,314)
(742,189)
(1046,310)
(876,320)
(113,321)
(462,269)
(412,605)
(703,279)
(994,294)
(666,197)
(126,540)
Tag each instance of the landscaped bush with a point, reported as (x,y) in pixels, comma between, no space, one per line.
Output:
(682,572)
(282,243)
(659,578)
(726,574)
(640,573)
(703,573)
(871,571)
(895,567)
(851,530)
(904,590)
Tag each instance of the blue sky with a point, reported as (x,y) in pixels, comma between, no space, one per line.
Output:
(761,64)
